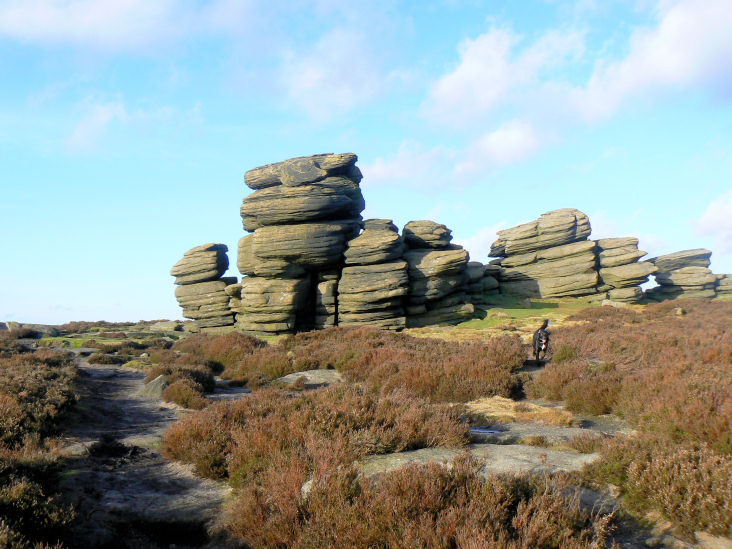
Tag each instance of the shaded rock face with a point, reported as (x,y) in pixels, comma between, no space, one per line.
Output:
(201,288)
(683,274)
(724,285)
(374,281)
(620,272)
(549,257)
(438,276)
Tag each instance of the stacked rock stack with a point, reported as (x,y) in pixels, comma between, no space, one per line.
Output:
(621,274)
(724,285)
(374,281)
(201,290)
(490,280)
(302,213)
(683,274)
(474,286)
(548,257)
(437,276)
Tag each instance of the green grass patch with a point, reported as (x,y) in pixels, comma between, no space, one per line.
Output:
(503,309)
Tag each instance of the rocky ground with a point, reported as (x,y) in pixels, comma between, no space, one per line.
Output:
(124,492)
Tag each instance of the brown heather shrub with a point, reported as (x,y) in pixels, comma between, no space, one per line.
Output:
(82,326)
(103,358)
(439,370)
(186,393)
(669,376)
(689,483)
(343,422)
(9,346)
(197,373)
(219,351)
(586,443)
(665,373)
(416,506)
(35,389)
(113,335)
(265,365)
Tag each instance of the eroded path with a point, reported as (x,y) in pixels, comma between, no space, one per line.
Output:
(124,492)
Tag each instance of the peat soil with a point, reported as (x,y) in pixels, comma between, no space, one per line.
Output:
(125,494)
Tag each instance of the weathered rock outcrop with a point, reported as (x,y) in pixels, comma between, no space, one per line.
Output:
(200,264)
(303,170)
(201,289)
(549,257)
(551,229)
(426,234)
(374,281)
(302,214)
(724,285)
(683,274)
(698,257)
(437,276)
(620,272)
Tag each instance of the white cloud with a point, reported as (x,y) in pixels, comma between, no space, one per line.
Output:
(122,25)
(690,45)
(94,123)
(338,73)
(511,142)
(411,164)
(479,244)
(115,24)
(490,72)
(716,222)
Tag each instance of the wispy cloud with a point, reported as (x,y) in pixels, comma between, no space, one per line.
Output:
(691,45)
(94,123)
(511,142)
(339,72)
(491,71)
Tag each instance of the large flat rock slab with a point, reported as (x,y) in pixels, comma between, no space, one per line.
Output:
(496,458)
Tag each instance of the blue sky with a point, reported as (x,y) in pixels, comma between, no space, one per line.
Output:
(126,127)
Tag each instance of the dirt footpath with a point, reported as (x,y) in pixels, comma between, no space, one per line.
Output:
(124,492)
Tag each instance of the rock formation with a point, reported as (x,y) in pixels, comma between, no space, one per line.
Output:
(309,261)
(724,285)
(302,214)
(437,276)
(683,274)
(374,281)
(201,288)
(549,257)
(621,274)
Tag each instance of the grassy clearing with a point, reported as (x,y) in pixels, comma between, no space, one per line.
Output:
(506,315)
(35,391)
